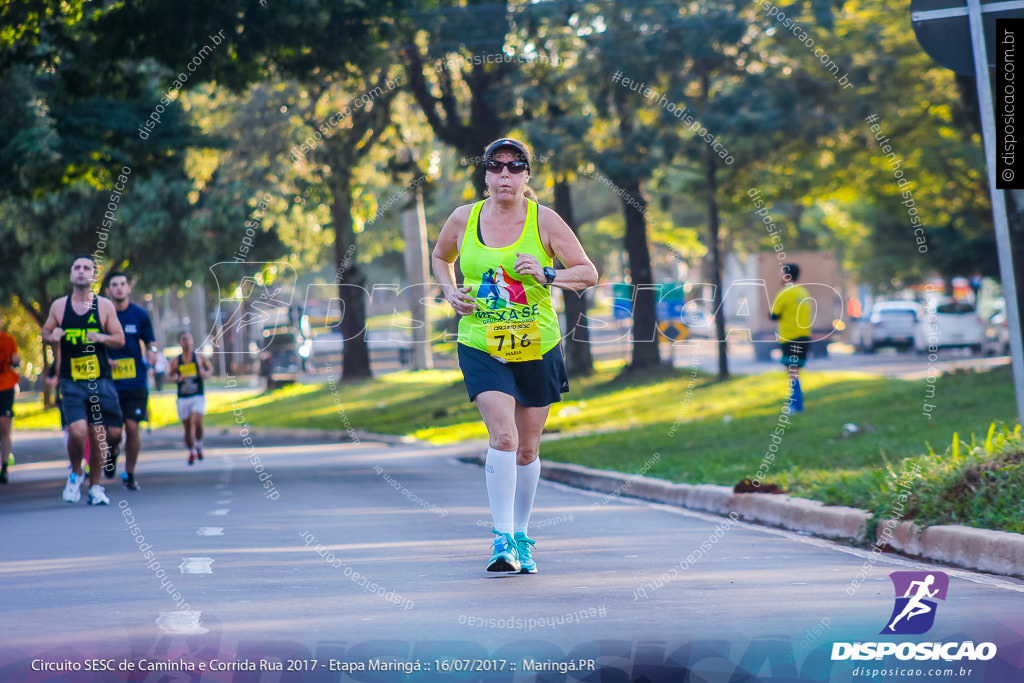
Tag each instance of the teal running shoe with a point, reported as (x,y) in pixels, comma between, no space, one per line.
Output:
(506,554)
(526,563)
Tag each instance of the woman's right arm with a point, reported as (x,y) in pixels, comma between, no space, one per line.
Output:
(443,262)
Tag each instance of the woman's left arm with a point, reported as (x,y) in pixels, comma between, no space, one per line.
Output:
(559,241)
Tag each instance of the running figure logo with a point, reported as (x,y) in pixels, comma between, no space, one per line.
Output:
(913,613)
(500,290)
(253,294)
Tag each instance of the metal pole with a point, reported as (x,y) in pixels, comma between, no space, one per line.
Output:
(998,201)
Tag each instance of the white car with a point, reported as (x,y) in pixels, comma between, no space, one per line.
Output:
(890,323)
(950,324)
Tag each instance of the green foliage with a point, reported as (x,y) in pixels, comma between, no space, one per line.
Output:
(980,486)
(27,25)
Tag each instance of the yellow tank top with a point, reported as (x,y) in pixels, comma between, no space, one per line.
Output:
(793,306)
(514,319)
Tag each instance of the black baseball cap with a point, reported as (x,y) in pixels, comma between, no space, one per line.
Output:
(508,143)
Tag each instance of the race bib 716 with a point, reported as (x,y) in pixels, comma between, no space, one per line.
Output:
(514,341)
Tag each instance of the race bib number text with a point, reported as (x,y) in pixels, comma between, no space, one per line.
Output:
(124,368)
(86,367)
(514,341)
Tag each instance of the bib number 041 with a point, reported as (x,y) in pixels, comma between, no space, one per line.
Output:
(124,368)
(514,341)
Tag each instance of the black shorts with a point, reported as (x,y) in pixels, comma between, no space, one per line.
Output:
(533,383)
(7,402)
(795,352)
(133,403)
(92,400)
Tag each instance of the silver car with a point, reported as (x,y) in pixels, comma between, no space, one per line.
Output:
(890,323)
(951,324)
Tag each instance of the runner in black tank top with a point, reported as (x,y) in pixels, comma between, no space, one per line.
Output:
(85,325)
(188,370)
(81,359)
(190,382)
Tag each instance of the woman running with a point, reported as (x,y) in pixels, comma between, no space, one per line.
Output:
(509,339)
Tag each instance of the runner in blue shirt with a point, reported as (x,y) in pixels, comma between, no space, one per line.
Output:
(130,376)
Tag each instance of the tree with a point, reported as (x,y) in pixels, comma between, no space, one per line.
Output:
(342,151)
(832,184)
(75,177)
(332,48)
(554,109)
(458,74)
(628,142)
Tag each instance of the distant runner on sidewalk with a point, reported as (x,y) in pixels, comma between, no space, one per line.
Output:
(509,338)
(85,325)
(189,370)
(130,371)
(793,310)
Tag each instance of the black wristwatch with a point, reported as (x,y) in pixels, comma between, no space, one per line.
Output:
(549,273)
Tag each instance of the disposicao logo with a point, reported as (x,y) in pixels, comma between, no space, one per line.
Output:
(913,614)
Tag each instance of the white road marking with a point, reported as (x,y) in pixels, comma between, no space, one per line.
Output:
(196,565)
(180,622)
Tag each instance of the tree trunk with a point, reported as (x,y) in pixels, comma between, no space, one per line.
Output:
(579,360)
(355,362)
(645,345)
(710,169)
(714,249)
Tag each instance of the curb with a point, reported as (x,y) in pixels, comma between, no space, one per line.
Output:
(999,552)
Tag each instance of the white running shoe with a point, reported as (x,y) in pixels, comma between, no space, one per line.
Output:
(73,489)
(97,496)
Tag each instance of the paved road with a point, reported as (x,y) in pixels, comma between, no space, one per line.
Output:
(275,569)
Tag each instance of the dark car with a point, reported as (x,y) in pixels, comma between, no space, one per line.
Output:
(285,353)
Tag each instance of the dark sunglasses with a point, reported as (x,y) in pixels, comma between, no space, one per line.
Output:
(514,167)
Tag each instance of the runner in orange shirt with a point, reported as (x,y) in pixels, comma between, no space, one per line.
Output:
(9,363)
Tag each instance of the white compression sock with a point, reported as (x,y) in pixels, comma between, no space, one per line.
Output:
(527,477)
(500,473)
